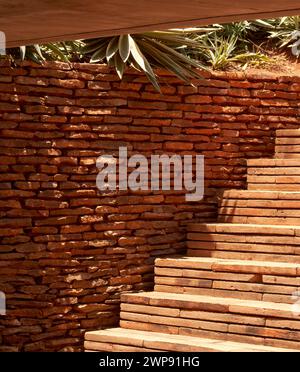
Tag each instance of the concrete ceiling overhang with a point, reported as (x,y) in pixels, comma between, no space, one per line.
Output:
(36,21)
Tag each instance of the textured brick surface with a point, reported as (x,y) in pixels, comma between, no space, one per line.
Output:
(67,252)
(239,282)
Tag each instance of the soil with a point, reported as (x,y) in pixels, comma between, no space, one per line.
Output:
(282,63)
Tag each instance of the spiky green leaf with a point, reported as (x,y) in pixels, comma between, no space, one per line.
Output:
(124,47)
(112,47)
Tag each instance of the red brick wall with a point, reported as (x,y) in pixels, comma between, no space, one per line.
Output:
(67,251)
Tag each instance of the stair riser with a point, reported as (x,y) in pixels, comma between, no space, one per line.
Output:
(240,243)
(277,298)
(287,143)
(287,149)
(222,331)
(202,304)
(238,252)
(259,207)
(282,155)
(291,173)
(226,280)
(212,320)
(273,174)
(239,333)
(255,207)
(251,291)
(216,269)
(263,179)
(274,164)
(206,276)
(259,212)
(256,195)
(255,212)
(287,133)
(293,242)
(245,229)
(263,220)
(274,186)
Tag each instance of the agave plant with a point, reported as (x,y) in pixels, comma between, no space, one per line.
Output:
(144,52)
(219,52)
(61,51)
(233,43)
(282,30)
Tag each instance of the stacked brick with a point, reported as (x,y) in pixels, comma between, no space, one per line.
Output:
(67,250)
(238,287)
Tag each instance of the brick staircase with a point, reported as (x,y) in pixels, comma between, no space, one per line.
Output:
(234,289)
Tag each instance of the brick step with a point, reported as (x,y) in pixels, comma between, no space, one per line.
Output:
(260,322)
(287,149)
(287,141)
(260,207)
(248,194)
(287,133)
(244,241)
(260,203)
(287,155)
(254,280)
(273,164)
(120,339)
(291,174)
(273,175)
(287,145)
(273,170)
(213,304)
(273,187)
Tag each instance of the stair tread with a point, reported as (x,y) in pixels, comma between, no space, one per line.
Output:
(223,261)
(264,194)
(228,301)
(162,341)
(267,162)
(287,132)
(245,226)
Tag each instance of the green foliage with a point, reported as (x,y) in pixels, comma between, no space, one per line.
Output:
(282,30)
(180,51)
(62,51)
(221,52)
(159,49)
(233,43)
